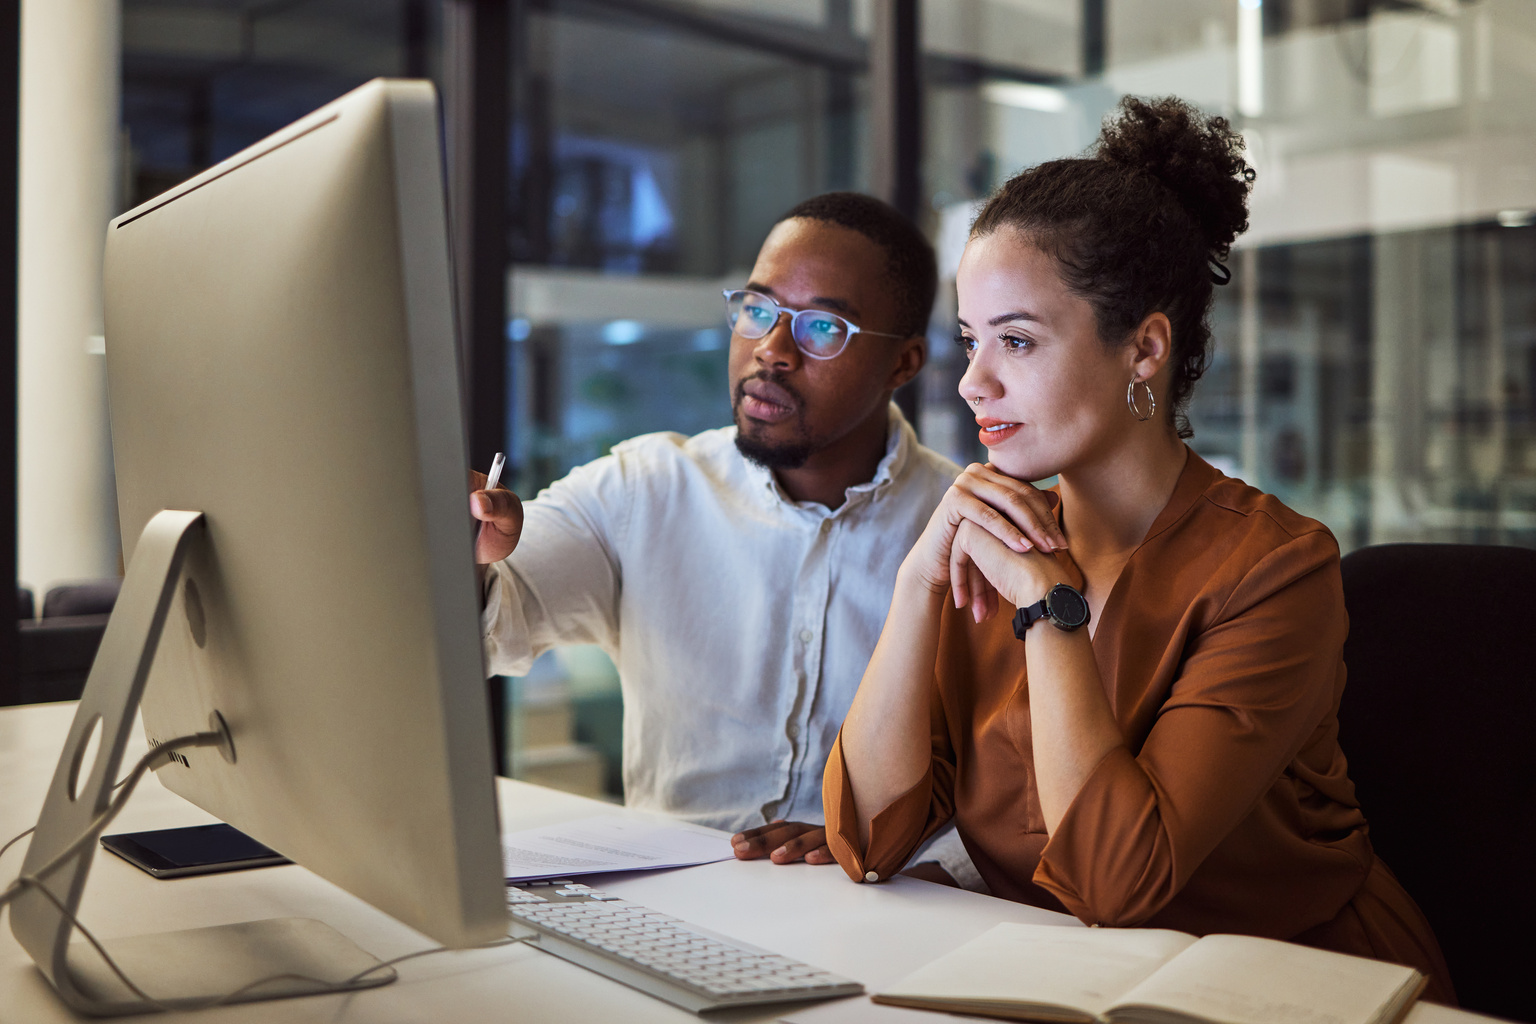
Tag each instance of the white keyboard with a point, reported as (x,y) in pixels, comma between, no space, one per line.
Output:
(660,955)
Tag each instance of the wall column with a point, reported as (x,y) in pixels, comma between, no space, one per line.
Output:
(69,114)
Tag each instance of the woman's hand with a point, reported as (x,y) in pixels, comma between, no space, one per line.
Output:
(1014,515)
(982,568)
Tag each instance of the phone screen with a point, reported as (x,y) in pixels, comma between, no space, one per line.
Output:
(196,850)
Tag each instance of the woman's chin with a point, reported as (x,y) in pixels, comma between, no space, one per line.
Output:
(1021,466)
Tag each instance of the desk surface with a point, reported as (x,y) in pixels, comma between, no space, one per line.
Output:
(873,933)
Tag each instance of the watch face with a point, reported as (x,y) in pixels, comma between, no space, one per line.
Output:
(1067,606)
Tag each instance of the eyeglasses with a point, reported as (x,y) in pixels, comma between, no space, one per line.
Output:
(818,334)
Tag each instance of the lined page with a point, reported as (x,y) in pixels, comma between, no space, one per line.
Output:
(1239,979)
(1084,969)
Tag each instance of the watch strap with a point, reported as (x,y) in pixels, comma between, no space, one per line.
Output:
(1028,616)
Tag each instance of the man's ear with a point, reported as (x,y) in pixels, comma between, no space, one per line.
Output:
(911,357)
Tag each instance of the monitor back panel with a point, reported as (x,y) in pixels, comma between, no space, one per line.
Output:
(280,356)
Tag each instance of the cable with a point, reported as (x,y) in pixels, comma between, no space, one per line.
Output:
(326,987)
(18,837)
(153,759)
(160,754)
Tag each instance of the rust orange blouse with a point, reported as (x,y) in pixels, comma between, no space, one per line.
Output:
(1229,809)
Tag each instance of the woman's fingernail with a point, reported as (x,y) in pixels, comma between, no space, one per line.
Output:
(782,851)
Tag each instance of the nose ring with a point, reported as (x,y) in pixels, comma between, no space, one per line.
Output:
(976,402)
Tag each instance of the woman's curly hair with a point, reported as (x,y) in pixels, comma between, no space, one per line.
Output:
(1143,225)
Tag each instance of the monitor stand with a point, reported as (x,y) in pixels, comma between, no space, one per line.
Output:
(182,969)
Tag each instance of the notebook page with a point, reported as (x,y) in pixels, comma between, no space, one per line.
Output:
(1086,969)
(1243,980)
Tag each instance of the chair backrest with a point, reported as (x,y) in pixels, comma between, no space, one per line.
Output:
(1437,722)
(88,597)
(26,608)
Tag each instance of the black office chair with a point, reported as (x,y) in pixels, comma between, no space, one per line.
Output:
(1437,723)
(54,653)
(26,606)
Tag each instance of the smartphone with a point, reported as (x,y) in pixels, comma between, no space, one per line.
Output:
(197,850)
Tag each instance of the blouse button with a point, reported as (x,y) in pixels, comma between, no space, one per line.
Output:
(870,876)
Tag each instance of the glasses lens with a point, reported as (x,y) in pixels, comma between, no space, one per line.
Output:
(820,334)
(749,314)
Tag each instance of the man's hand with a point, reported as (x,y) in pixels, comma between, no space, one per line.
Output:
(501,520)
(784,842)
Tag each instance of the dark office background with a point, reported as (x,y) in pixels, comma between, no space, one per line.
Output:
(614,162)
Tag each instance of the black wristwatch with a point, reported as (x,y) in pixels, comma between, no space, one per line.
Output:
(1064,606)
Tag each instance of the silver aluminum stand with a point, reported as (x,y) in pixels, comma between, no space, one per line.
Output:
(182,969)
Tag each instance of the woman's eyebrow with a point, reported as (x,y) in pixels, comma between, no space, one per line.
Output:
(1005,318)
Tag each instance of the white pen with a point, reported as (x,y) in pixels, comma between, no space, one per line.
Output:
(494,477)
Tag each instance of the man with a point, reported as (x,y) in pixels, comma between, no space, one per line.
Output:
(740,578)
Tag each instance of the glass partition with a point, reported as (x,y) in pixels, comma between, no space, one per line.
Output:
(204,80)
(653,146)
(1375,358)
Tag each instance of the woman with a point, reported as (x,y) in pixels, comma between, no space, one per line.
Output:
(1151,739)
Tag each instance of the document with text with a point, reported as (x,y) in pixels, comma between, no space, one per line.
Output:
(609,843)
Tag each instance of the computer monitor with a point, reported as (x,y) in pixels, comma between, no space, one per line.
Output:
(281,359)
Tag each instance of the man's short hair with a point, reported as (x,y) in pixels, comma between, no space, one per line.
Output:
(910,262)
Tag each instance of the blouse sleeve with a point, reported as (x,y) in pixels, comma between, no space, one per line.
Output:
(900,828)
(1253,688)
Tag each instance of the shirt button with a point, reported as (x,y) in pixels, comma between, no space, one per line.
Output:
(793,730)
(826,526)
(870,876)
(805,636)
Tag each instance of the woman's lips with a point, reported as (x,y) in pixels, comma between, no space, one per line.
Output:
(996,431)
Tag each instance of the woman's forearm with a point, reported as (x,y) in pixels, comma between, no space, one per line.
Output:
(1071,723)
(885,738)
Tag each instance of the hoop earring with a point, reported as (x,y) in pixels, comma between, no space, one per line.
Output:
(1131,396)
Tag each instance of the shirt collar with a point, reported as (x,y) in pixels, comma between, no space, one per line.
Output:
(1196,478)
(900,440)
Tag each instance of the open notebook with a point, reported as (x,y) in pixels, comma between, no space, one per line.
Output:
(1066,975)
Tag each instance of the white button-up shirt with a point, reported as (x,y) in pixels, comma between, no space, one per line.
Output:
(741,622)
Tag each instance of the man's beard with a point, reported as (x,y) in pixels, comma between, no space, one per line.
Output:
(781,455)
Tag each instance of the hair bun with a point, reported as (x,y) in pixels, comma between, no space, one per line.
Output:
(1197,156)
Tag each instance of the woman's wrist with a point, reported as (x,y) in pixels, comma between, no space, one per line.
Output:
(913,584)
(1031,580)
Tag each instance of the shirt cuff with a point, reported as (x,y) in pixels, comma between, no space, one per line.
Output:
(503,624)
(894,833)
(1107,859)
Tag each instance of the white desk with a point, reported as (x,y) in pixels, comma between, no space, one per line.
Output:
(873,933)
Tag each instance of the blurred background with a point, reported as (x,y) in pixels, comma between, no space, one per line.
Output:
(615,163)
